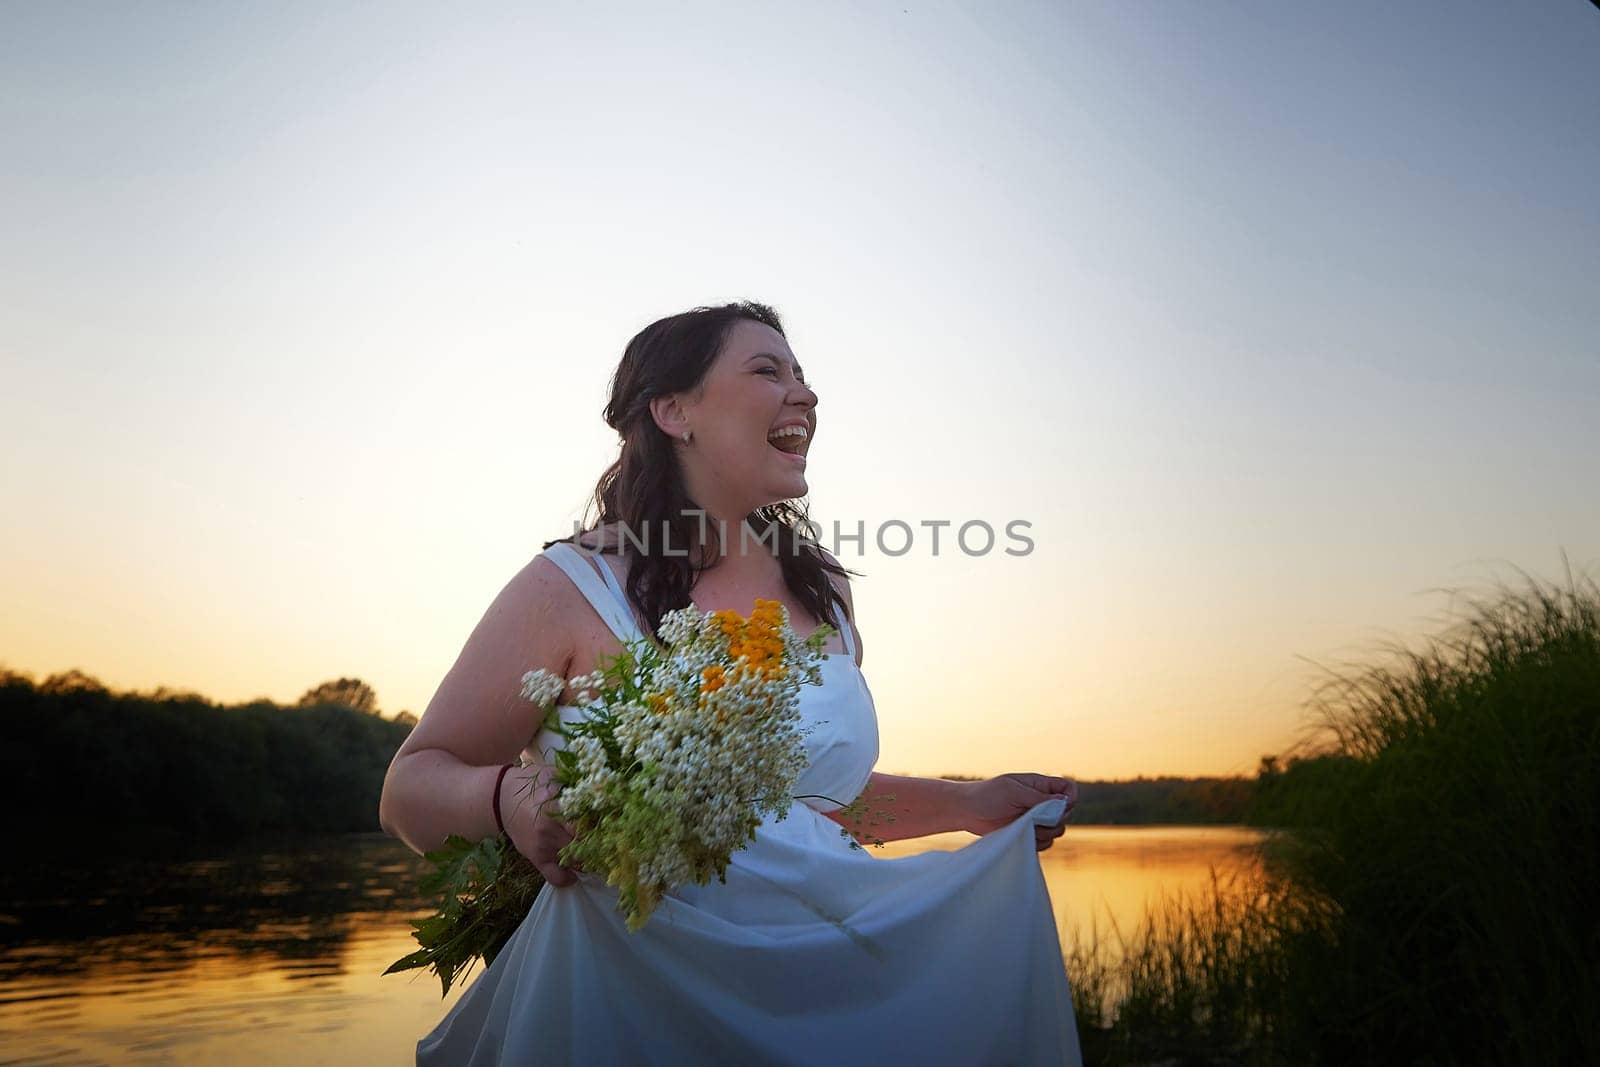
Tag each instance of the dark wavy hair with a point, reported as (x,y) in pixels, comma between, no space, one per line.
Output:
(644,489)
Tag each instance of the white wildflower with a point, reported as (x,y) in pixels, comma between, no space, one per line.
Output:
(542,687)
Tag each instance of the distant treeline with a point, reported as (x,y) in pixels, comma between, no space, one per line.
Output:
(1161,801)
(81,762)
(1165,800)
(84,767)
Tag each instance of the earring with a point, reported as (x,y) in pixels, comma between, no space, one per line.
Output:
(686,435)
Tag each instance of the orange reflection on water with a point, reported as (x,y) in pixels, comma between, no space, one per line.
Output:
(138,1001)
(1109,876)
(263,988)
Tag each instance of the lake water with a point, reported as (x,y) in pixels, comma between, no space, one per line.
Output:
(277,957)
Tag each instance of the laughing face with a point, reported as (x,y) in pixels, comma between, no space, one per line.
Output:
(751,422)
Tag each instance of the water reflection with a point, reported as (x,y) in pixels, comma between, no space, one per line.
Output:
(270,957)
(277,957)
(1106,877)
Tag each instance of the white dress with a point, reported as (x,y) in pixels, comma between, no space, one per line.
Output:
(811,953)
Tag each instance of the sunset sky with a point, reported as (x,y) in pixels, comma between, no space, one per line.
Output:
(1268,318)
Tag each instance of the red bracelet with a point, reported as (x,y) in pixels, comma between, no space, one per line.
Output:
(498,821)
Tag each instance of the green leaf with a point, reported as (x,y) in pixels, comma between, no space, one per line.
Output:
(416,959)
(484,890)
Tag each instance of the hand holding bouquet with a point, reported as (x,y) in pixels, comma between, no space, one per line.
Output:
(679,754)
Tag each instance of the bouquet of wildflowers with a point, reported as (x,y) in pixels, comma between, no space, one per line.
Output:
(680,753)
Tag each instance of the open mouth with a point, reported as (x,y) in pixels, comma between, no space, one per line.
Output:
(792,441)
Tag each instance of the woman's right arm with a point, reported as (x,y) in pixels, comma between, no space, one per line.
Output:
(442,779)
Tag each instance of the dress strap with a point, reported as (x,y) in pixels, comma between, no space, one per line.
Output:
(849,642)
(604,596)
(611,580)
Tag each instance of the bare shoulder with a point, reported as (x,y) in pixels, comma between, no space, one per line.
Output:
(536,612)
(478,712)
(549,593)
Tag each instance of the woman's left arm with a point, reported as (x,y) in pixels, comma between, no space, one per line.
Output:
(893,807)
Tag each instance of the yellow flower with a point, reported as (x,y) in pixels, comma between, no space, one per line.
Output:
(712,679)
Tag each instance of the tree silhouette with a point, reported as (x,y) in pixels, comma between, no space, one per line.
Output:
(162,692)
(11,677)
(188,770)
(351,692)
(71,681)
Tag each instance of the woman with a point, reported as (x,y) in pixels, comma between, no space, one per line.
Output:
(811,951)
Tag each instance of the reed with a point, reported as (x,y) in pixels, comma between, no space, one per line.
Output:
(1204,979)
(1428,900)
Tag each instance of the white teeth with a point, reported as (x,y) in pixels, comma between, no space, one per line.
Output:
(788,431)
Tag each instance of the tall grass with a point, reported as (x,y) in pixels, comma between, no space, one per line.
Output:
(1460,842)
(1431,901)
(1201,981)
